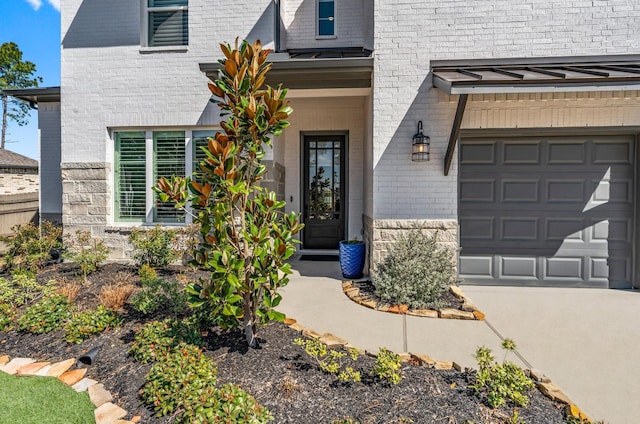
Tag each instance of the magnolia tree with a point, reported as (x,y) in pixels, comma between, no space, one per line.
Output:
(246,237)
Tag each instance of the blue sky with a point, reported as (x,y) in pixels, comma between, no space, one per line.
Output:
(34,25)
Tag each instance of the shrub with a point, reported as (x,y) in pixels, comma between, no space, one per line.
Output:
(46,315)
(415,272)
(114,296)
(23,288)
(147,274)
(387,366)
(154,247)
(157,338)
(87,251)
(30,246)
(160,294)
(84,324)
(501,382)
(70,290)
(183,382)
(330,360)
(7,316)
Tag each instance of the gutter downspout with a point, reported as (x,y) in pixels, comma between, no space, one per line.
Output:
(277,20)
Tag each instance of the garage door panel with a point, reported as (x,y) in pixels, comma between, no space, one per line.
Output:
(521,153)
(566,153)
(554,211)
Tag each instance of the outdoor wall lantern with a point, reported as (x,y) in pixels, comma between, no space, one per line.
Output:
(421,146)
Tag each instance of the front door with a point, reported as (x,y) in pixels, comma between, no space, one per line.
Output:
(324,191)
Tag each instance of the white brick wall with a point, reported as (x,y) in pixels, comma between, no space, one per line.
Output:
(409,34)
(299,18)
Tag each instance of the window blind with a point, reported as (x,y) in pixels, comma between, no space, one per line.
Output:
(169,159)
(168,27)
(130,176)
(200,139)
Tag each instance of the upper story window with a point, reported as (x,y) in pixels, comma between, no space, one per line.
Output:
(167,22)
(326,18)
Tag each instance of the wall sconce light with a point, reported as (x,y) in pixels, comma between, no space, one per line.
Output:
(421,146)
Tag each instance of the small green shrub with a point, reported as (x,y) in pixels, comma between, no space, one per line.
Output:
(183,383)
(30,246)
(85,250)
(501,382)
(7,316)
(24,288)
(387,366)
(157,338)
(415,272)
(46,315)
(330,360)
(83,325)
(160,294)
(154,247)
(147,274)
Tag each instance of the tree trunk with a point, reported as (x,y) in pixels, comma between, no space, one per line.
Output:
(248,322)
(5,106)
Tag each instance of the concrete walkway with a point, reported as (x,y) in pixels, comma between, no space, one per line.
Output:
(585,340)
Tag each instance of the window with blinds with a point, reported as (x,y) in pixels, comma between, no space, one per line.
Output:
(168,22)
(200,140)
(130,172)
(169,159)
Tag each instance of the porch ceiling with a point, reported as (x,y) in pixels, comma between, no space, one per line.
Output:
(588,73)
(312,73)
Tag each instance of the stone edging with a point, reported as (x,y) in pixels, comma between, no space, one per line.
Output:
(106,412)
(469,311)
(542,382)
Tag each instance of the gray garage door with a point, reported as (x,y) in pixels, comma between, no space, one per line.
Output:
(554,211)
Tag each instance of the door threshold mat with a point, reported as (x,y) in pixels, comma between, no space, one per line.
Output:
(320,258)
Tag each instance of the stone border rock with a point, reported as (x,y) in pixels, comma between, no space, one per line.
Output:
(106,412)
(469,311)
(542,382)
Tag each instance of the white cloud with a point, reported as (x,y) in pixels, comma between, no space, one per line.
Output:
(35,4)
(54,3)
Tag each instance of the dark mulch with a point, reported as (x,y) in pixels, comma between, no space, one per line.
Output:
(279,374)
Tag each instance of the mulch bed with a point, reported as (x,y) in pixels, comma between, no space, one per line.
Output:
(278,374)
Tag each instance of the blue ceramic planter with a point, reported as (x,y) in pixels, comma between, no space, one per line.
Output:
(352,259)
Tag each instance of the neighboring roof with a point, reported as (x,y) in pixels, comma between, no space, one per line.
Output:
(36,95)
(315,69)
(586,73)
(9,159)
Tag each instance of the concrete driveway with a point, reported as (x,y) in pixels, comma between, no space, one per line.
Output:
(585,340)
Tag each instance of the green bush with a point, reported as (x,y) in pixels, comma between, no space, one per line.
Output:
(30,246)
(157,338)
(330,360)
(84,324)
(87,251)
(7,316)
(387,366)
(46,315)
(415,272)
(183,382)
(160,294)
(501,382)
(155,247)
(147,274)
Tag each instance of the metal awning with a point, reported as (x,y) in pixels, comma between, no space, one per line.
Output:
(538,75)
(530,75)
(314,69)
(35,95)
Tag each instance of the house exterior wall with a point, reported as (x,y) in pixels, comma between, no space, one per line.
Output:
(333,115)
(352,27)
(408,35)
(49,163)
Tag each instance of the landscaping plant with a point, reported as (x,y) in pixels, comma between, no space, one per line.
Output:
(416,272)
(48,314)
(245,235)
(160,294)
(154,247)
(501,382)
(83,325)
(30,246)
(87,251)
(387,366)
(330,360)
(157,338)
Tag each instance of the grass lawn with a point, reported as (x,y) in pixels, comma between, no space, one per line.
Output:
(36,400)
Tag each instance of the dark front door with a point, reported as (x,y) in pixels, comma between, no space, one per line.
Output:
(324,191)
